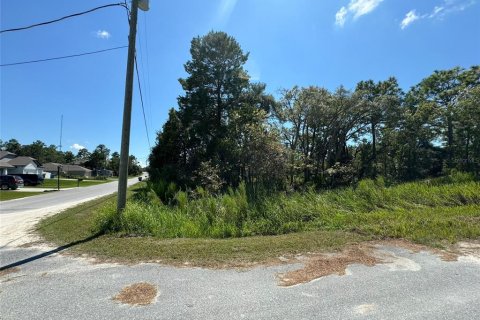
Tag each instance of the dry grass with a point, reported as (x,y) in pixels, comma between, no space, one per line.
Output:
(320,265)
(139,294)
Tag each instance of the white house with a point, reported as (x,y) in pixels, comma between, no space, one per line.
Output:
(25,165)
(5,157)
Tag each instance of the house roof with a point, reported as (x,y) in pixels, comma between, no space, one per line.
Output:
(66,168)
(24,161)
(73,167)
(3,154)
(4,164)
(51,166)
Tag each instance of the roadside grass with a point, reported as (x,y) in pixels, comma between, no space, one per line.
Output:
(11,195)
(432,213)
(69,183)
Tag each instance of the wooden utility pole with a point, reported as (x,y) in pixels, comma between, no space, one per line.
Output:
(127,112)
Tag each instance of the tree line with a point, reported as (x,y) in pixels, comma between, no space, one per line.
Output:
(228,129)
(99,158)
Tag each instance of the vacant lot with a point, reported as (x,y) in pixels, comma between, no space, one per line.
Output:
(431,213)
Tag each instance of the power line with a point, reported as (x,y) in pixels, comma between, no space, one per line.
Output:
(149,88)
(63,57)
(141,99)
(63,18)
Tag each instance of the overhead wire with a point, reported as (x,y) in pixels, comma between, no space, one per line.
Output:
(149,88)
(61,57)
(139,83)
(124,5)
(63,18)
(141,100)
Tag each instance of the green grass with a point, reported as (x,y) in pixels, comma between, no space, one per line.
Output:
(76,224)
(10,195)
(234,215)
(67,183)
(231,230)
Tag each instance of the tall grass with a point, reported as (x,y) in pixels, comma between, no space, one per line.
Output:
(410,209)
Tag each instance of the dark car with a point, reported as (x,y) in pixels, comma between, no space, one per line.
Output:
(10,182)
(19,180)
(31,179)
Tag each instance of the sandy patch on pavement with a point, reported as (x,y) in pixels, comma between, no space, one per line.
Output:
(140,294)
(320,265)
(8,271)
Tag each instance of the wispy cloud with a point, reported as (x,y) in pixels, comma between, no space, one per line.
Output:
(410,17)
(77,146)
(439,12)
(103,34)
(341,16)
(224,11)
(355,8)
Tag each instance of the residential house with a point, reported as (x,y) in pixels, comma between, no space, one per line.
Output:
(67,169)
(25,165)
(102,173)
(5,157)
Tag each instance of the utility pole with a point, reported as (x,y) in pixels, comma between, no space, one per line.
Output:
(127,112)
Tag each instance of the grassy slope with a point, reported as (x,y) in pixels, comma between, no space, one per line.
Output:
(10,195)
(52,183)
(431,215)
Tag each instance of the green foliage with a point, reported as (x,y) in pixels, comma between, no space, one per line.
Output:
(228,130)
(398,210)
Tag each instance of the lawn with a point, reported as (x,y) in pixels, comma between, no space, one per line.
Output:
(69,183)
(433,214)
(10,195)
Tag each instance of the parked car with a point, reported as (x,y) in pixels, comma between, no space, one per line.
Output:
(10,182)
(19,180)
(31,179)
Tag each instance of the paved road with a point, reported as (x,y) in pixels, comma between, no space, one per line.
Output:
(55,198)
(412,286)
(18,216)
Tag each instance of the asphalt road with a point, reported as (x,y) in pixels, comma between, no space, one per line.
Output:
(62,197)
(19,216)
(412,286)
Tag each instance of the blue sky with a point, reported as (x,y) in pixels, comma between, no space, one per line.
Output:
(291,42)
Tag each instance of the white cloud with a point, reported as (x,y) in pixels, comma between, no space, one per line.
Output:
(357,8)
(224,12)
(439,12)
(410,17)
(341,16)
(362,7)
(103,34)
(77,146)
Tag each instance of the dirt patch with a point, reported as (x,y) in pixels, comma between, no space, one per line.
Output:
(320,265)
(450,254)
(468,248)
(8,271)
(140,294)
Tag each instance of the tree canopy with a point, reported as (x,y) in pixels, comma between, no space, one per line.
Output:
(228,130)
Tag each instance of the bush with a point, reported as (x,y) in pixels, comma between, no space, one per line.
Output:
(233,215)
